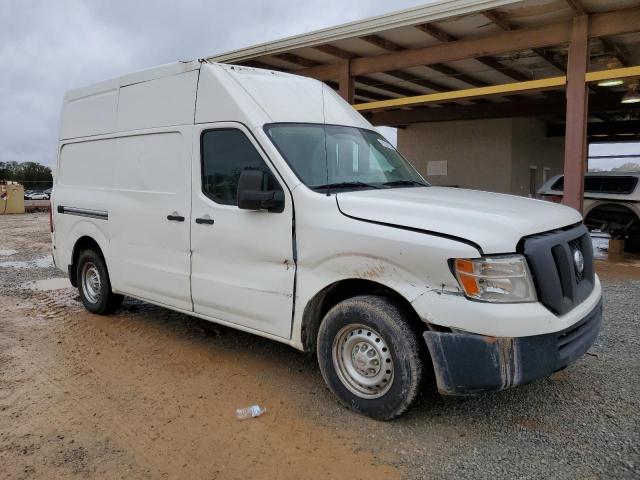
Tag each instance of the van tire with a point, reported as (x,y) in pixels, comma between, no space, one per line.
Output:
(347,333)
(94,284)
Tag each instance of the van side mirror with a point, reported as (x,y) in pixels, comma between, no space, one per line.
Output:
(252,194)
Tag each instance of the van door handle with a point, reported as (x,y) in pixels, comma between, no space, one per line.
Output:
(205,221)
(174,217)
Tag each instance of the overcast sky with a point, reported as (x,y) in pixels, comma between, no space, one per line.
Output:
(49,47)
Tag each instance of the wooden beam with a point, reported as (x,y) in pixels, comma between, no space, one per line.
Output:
(335,51)
(346,85)
(330,71)
(457,74)
(423,82)
(406,77)
(497,19)
(575,151)
(359,92)
(602,24)
(362,93)
(296,60)
(382,43)
(371,82)
(615,50)
(502,22)
(436,32)
(503,69)
(614,23)
(461,49)
(490,62)
(577,7)
(390,46)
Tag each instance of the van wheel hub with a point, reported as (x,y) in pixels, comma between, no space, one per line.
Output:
(363,361)
(91,282)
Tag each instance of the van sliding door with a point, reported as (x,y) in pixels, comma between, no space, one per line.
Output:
(149,216)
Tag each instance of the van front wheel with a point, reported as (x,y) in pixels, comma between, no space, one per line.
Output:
(94,285)
(370,357)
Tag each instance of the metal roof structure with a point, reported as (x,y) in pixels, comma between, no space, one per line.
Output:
(448,25)
(462,59)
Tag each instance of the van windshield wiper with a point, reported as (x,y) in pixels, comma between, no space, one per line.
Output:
(396,183)
(348,185)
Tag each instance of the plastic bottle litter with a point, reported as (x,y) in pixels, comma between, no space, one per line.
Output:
(250,412)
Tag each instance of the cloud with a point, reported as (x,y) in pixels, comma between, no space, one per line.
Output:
(47,48)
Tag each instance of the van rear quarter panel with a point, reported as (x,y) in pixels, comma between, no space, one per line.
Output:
(137,179)
(83,180)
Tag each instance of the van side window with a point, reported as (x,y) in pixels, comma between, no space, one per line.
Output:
(225,154)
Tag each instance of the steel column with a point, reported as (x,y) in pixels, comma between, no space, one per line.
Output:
(575,148)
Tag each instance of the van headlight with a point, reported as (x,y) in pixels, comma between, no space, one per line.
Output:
(498,279)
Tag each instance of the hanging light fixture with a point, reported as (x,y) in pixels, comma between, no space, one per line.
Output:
(610,82)
(632,95)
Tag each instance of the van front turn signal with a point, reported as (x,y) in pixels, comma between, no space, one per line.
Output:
(498,279)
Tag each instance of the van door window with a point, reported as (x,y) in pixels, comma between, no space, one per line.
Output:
(225,154)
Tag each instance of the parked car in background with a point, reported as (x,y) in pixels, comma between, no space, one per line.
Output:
(36,196)
(611,203)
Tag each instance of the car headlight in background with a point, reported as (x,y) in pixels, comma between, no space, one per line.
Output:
(499,279)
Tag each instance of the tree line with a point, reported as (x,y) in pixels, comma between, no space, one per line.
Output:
(30,174)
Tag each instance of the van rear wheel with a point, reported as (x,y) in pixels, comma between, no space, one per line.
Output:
(94,285)
(370,357)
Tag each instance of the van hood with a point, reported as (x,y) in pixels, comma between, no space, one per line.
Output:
(496,222)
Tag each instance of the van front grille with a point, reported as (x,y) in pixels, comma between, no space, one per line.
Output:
(559,283)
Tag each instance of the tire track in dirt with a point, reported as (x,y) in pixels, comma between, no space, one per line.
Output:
(165,395)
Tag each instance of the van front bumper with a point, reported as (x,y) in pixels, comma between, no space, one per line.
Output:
(468,363)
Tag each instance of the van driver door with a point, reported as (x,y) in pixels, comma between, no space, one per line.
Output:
(242,266)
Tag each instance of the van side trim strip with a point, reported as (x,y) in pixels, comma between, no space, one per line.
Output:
(84,212)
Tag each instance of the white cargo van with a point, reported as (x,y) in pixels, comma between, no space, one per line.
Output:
(262,201)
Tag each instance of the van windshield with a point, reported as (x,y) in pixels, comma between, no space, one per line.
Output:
(337,157)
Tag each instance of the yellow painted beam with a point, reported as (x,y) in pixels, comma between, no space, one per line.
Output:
(464,94)
(503,89)
(613,73)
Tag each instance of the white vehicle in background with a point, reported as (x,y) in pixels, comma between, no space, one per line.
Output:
(36,196)
(266,203)
(611,203)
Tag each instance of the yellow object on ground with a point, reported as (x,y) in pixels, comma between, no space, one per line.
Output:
(11,198)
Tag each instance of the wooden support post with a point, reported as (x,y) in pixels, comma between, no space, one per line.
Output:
(346,87)
(575,148)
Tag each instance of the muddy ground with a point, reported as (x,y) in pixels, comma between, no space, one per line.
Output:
(148,393)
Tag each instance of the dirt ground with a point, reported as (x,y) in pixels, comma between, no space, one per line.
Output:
(148,393)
